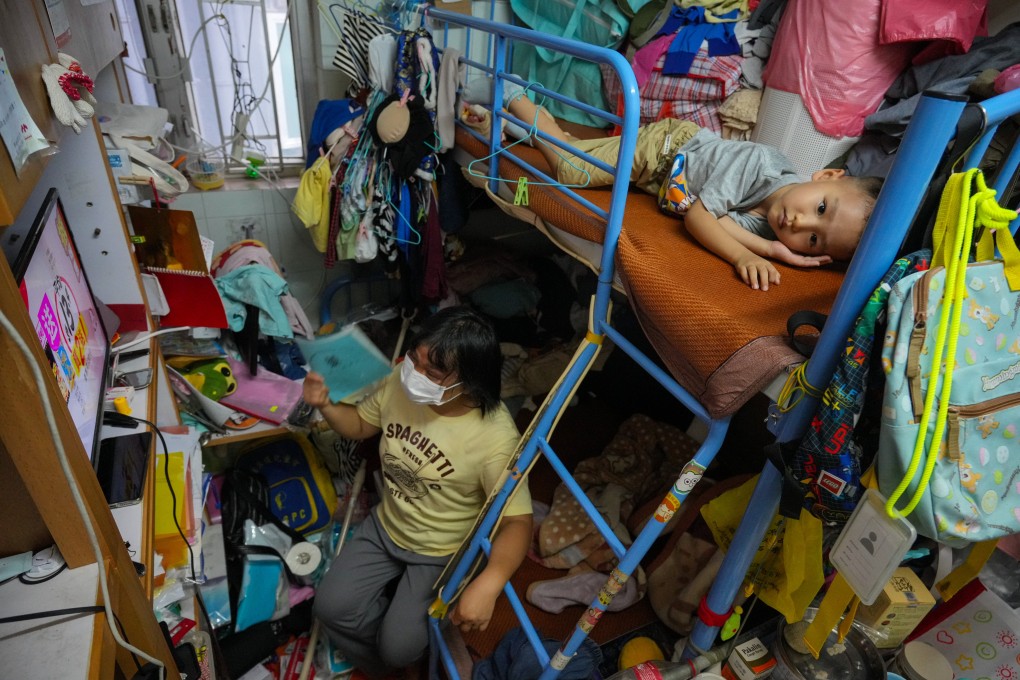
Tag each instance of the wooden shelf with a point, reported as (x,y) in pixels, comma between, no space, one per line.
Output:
(78,658)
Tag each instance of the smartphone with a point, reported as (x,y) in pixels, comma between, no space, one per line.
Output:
(121,466)
(136,379)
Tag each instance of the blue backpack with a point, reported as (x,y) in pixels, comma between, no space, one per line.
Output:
(301,493)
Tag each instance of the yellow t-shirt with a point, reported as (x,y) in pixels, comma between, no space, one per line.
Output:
(438,470)
(311,201)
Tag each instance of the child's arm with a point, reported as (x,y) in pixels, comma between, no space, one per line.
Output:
(742,249)
(474,608)
(343,418)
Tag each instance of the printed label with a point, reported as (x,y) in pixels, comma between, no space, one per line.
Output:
(831,483)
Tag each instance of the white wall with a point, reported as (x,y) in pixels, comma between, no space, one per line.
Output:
(221,213)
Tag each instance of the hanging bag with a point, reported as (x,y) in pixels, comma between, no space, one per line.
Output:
(948,449)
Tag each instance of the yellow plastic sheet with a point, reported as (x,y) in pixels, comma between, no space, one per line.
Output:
(786,571)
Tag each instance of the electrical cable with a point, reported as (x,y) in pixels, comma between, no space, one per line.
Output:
(120,626)
(145,336)
(79,502)
(173,495)
(88,609)
(187,55)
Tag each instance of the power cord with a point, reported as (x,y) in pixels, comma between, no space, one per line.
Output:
(146,336)
(89,609)
(79,502)
(187,55)
(122,420)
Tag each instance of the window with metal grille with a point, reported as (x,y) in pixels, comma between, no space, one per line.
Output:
(226,71)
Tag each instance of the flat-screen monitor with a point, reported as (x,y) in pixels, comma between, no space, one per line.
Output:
(66,318)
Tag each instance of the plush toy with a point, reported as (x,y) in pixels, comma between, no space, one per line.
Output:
(212,378)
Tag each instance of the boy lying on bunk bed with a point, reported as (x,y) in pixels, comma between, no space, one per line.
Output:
(742,200)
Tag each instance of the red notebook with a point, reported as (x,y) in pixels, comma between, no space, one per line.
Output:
(192,297)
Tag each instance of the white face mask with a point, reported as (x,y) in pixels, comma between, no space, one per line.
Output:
(419,388)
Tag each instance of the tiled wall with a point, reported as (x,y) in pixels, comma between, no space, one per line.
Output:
(221,213)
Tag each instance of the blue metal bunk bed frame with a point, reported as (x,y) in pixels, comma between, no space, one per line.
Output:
(925,141)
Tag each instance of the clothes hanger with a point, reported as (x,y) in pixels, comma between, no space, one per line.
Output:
(536,139)
(384,179)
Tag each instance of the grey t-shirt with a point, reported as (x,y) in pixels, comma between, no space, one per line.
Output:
(731,177)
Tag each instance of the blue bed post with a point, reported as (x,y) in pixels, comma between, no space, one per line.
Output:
(924,142)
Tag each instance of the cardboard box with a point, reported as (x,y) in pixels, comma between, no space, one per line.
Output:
(899,608)
(749,660)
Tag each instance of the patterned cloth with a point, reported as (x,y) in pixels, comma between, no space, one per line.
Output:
(643,454)
(352,53)
(696,96)
(829,460)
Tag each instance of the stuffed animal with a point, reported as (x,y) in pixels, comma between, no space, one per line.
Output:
(212,378)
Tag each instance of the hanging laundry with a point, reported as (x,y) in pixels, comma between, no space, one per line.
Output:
(330,114)
(402,127)
(434,287)
(311,201)
(351,56)
(692,28)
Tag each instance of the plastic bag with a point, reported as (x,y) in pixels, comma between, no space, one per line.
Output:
(787,569)
(841,73)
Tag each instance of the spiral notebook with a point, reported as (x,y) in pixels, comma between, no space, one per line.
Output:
(192,298)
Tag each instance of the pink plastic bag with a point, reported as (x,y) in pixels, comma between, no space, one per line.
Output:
(955,21)
(1008,79)
(841,72)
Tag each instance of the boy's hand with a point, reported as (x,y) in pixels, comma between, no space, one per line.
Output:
(756,271)
(314,391)
(780,252)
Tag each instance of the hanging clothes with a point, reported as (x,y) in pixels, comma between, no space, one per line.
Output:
(312,199)
(351,55)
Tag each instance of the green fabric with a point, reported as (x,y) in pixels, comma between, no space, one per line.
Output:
(594,22)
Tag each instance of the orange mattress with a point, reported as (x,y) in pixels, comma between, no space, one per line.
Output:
(721,340)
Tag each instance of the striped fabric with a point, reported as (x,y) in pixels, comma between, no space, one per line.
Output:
(696,96)
(352,53)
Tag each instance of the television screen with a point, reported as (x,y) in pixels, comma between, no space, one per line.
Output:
(61,307)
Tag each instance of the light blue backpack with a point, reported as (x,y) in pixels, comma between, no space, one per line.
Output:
(949,449)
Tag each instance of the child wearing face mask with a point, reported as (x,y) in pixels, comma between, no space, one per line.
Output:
(446,439)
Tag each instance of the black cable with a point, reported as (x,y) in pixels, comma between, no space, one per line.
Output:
(173,495)
(90,609)
(123,633)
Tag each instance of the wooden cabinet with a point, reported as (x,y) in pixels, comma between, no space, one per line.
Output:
(27,41)
(37,503)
